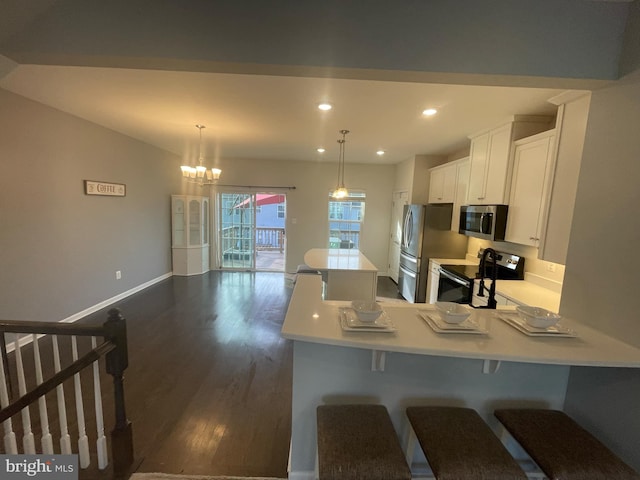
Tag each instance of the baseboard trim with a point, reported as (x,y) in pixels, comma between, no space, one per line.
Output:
(98,306)
(110,301)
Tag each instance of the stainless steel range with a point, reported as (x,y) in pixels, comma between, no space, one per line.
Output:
(456,283)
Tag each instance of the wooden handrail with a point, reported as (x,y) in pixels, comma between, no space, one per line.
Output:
(49,328)
(114,348)
(48,385)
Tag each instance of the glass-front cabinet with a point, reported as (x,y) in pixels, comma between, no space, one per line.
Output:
(190,234)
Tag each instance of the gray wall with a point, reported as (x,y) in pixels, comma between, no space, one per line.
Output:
(307,205)
(59,247)
(498,37)
(601,276)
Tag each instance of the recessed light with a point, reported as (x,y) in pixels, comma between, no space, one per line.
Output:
(429,111)
(325,106)
(320,150)
(380,152)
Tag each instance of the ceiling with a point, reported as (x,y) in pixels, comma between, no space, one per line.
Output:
(71,58)
(276,117)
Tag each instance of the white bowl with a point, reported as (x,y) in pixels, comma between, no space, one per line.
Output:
(538,317)
(366,310)
(452,312)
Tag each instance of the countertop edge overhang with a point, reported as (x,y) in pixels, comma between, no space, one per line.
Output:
(310,319)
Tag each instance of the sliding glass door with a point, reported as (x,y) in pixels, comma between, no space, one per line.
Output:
(251,233)
(236,241)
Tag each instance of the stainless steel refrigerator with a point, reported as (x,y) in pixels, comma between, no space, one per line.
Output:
(426,234)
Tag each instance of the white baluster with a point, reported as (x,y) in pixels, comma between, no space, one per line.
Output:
(65,438)
(28,440)
(103,459)
(83,440)
(47,440)
(10,445)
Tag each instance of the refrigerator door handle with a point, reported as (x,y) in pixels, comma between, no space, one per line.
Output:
(408,229)
(408,273)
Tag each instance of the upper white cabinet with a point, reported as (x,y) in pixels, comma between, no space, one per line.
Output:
(533,161)
(189,234)
(571,126)
(442,183)
(448,184)
(462,185)
(492,158)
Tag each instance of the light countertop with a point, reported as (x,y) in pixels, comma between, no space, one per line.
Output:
(524,292)
(310,319)
(338,259)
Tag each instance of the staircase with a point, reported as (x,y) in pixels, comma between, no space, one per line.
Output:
(56,399)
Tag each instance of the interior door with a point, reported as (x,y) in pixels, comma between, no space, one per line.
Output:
(398,201)
(237,227)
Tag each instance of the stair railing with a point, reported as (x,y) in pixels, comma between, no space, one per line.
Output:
(113,348)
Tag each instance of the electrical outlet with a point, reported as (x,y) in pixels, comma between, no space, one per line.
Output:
(118,274)
(551,267)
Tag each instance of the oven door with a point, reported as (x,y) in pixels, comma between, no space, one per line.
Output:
(452,288)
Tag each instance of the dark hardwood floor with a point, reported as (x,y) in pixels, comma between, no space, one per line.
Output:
(208,387)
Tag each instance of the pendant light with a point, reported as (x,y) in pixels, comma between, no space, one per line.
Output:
(341,191)
(200,174)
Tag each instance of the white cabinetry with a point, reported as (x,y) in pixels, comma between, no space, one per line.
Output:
(462,185)
(432,282)
(492,157)
(529,188)
(442,183)
(571,125)
(189,234)
(448,184)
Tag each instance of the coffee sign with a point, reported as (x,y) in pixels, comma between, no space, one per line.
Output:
(103,188)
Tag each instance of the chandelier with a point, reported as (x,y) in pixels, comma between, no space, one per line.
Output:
(341,191)
(200,174)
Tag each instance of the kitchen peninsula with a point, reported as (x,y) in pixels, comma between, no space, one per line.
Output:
(416,366)
(348,273)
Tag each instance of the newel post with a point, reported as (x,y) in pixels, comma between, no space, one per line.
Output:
(117,361)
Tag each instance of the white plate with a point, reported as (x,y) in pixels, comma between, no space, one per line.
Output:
(350,322)
(439,326)
(521,325)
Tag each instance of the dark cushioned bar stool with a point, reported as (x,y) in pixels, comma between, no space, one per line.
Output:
(563,449)
(358,442)
(459,445)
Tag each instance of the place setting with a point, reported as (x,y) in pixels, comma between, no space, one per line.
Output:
(365,316)
(449,317)
(536,322)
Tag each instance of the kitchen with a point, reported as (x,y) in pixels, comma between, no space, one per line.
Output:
(536,380)
(519,164)
(611,137)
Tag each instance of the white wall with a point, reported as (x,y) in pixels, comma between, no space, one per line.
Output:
(307,223)
(601,277)
(59,247)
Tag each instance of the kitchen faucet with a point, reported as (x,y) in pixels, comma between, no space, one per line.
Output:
(491,301)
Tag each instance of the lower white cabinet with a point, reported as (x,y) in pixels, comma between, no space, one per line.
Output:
(529,189)
(432,282)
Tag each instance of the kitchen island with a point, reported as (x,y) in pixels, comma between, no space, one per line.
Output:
(348,273)
(416,366)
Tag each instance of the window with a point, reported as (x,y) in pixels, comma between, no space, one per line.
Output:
(346,217)
(280,211)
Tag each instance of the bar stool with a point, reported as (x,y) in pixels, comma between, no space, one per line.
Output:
(459,445)
(358,442)
(561,447)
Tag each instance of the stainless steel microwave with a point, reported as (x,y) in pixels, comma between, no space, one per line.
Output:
(484,221)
